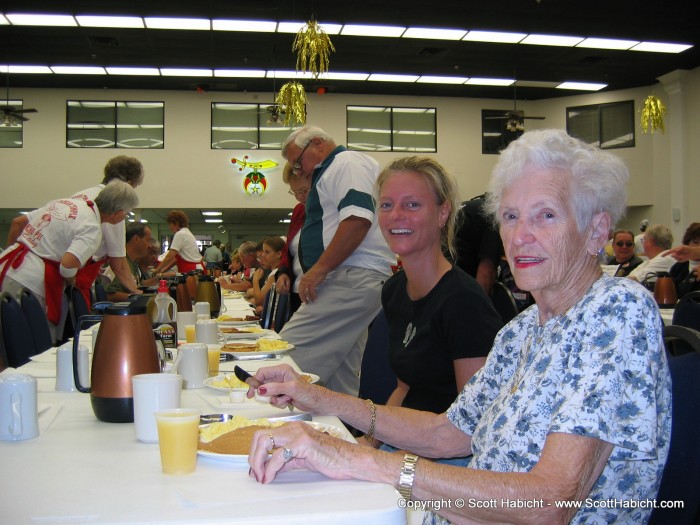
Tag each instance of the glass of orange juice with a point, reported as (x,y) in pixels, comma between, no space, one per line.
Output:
(214,356)
(178,436)
(190,333)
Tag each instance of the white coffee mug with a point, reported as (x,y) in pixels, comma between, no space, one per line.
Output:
(183,319)
(206,331)
(193,364)
(64,367)
(19,414)
(203,308)
(153,393)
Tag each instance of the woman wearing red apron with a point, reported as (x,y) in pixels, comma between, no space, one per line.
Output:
(183,250)
(56,241)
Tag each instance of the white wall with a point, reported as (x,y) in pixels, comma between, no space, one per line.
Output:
(188,173)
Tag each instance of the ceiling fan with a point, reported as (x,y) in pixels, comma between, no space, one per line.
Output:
(12,115)
(515,118)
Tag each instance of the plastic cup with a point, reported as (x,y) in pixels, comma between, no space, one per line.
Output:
(178,436)
(190,333)
(214,351)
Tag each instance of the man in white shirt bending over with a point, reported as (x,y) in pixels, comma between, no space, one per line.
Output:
(658,239)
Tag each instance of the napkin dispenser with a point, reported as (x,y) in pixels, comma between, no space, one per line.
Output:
(125,346)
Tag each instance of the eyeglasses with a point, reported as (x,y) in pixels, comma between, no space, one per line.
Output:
(296,165)
(620,244)
(299,193)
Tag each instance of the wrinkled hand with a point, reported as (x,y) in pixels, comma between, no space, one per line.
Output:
(308,284)
(284,387)
(282,284)
(312,450)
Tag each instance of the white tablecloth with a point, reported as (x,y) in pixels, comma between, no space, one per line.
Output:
(81,470)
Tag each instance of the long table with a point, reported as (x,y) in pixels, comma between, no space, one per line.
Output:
(81,470)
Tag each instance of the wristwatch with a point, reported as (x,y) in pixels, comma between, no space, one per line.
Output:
(408,474)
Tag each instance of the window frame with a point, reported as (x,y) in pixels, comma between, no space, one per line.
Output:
(601,109)
(392,130)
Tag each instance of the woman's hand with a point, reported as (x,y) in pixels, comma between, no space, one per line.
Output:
(282,283)
(285,387)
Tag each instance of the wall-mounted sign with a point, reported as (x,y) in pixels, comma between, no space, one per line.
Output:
(254,182)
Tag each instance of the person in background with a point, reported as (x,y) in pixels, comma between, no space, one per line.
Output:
(235,266)
(57,241)
(183,250)
(138,241)
(149,262)
(226,256)
(574,401)
(639,238)
(685,274)
(624,257)
(432,307)
(658,239)
(259,275)
(290,270)
(479,247)
(213,256)
(112,249)
(271,257)
(343,255)
(243,282)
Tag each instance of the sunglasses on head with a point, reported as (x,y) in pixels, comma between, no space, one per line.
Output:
(620,244)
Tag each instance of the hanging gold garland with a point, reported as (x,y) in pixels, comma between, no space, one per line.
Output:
(314,48)
(653,114)
(292,99)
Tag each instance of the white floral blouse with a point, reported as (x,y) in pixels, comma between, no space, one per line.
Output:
(599,370)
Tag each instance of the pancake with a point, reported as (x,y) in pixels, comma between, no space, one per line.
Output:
(233,442)
(241,347)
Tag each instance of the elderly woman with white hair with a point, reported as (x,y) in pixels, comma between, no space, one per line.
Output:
(572,407)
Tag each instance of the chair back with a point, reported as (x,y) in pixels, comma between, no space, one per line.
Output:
(36,318)
(16,334)
(687,311)
(504,302)
(100,292)
(377,378)
(281,312)
(268,308)
(77,307)
(681,477)
(680,340)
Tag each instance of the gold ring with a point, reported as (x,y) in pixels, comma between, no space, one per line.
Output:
(272,440)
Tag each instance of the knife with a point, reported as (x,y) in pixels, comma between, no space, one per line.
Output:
(250,380)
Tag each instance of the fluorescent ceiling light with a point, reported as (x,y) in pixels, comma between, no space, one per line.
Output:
(661,47)
(212,213)
(134,71)
(22,19)
(213,220)
(183,72)
(240,73)
(294,27)
(382,77)
(366,30)
(427,79)
(368,109)
(497,37)
(25,69)
(490,81)
(537,84)
(335,75)
(289,74)
(551,40)
(581,86)
(200,24)
(434,34)
(4,21)
(129,22)
(78,70)
(607,43)
(254,26)
(286,221)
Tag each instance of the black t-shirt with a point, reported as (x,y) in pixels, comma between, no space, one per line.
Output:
(455,320)
(476,237)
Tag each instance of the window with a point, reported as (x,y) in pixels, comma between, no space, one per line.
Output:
(107,124)
(11,127)
(247,126)
(381,128)
(498,129)
(605,125)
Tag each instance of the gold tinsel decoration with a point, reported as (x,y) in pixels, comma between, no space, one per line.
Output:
(292,99)
(653,114)
(313,47)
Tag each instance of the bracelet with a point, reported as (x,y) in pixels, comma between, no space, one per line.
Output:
(407,476)
(369,435)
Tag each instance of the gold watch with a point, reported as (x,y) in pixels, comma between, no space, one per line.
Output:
(407,476)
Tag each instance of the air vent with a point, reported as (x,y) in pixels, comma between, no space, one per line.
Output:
(104,41)
(431,51)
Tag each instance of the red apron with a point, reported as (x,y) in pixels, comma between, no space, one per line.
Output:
(86,276)
(184,266)
(53,281)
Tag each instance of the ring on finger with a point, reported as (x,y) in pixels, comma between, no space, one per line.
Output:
(288,455)
(272,440)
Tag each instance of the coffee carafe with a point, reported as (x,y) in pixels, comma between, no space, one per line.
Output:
(208,292)
(665,290)
(125,346)
(182,295)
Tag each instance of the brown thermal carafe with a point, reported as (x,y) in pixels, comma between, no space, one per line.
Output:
(182,295)
(665,290)
(207,291)
(125,346)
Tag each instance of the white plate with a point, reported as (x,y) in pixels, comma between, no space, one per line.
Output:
(243,354)
(251,335)
(209,382)
(238,323)
(243,458)
(314,377)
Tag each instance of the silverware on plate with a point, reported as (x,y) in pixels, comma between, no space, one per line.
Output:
(207,419)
